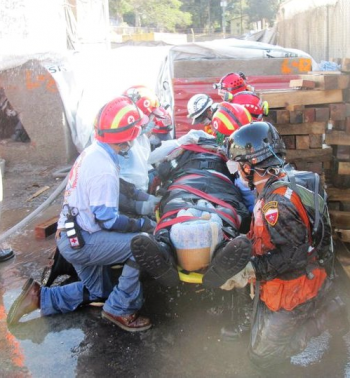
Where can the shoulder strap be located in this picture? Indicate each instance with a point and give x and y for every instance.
(295, 187)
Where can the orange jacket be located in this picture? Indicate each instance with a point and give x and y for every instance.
(280, 234)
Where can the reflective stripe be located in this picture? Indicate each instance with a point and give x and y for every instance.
(288, 193)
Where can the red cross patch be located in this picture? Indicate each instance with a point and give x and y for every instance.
(270, 211)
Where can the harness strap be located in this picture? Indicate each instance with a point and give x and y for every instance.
(185, 218)
(210, 198)
(196, 148)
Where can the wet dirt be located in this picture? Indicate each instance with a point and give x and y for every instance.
(184, 341)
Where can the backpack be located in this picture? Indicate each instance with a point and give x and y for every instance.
(313, 196)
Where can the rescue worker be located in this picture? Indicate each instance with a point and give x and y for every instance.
(162, 128)
(230, 84)
(201, 109)
(294, 294)
(253, 103)
(201, 167)
(92, 235)
(134, 167)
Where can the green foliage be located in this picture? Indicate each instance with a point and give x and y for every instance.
(164, 14)
(261, 9)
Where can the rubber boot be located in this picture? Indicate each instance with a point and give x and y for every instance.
(229, 260)
(156, 258)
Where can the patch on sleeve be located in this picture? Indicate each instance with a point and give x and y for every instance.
(270, 211)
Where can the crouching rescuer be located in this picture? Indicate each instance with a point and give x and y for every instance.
(92, 235)
(292, 249)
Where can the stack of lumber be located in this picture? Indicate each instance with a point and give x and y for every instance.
(309, 116)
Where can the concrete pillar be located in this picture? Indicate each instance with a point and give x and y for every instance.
(33, 93)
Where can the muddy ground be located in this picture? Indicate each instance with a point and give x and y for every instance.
(185, 340)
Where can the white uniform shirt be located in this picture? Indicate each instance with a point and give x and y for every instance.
(93, 182)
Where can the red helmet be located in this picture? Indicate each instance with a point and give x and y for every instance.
(163, 122)
(229, 118)
(119, 121)
(253, 103)
(232, 82)
(144, 98)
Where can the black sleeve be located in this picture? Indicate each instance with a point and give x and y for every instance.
(290, 236)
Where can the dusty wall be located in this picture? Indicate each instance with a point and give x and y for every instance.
(323, 31)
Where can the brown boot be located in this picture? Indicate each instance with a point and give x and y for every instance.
(130, 323)
(27, 302)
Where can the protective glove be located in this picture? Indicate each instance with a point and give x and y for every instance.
(193, 136)
(147, 207)
(241, 279)
(148, 225)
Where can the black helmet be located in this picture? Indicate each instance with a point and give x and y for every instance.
(257, 143)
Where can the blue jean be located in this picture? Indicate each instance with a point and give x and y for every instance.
(92, 263)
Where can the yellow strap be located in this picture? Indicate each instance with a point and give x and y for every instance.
(190, 277)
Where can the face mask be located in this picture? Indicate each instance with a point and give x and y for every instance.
(232, 166)
(124, 152)
(260, 181)
(243, 180)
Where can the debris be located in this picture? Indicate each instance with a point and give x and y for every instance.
(38, 192)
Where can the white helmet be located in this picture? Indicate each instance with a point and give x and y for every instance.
(197, 105)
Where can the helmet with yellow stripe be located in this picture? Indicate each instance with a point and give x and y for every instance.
(229, 118)
(119, 121)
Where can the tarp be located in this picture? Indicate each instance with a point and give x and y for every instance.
(87, 80)
(224, 50)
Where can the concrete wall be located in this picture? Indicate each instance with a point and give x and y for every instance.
(33, 93)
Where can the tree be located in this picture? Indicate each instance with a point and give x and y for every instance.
(165, 14)
(258, 10)
(206, 14)
(117, 9)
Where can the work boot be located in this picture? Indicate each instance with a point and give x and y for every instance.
(241, 316)
(235, 330)
(155, 257)
(27, 302)
(6, 254)
(129, 323)
(228, 261)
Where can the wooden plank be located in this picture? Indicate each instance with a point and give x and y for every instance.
(340, 219)
(343, 255)
(322, 114)
(38, 192)
(341, 152)
(296, 116)
(336, 194)
(219, 67)
(302, 84)
(311, 155)
(337, 112)
(315, 141)
(302, 142)
(309, 115)
(302, 129)
(343, 168)
(289, 141)
(339, 138)
(345, 65)
(328, 81)
(45, 229)
(281, 99)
